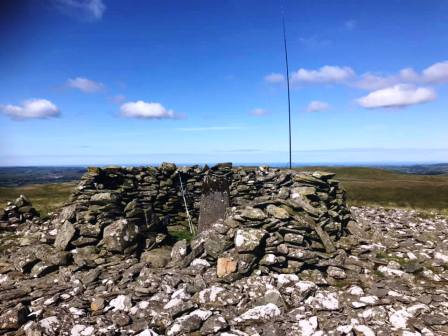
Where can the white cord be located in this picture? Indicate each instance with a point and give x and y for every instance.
(190, 224)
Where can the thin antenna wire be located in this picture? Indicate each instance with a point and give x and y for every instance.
(289, 96)
(190, 224)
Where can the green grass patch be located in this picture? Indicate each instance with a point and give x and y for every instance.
(45, 197)
(379, 274)
(390, 257)
(180, 234)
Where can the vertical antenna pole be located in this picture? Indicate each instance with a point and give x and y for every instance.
(289, 97)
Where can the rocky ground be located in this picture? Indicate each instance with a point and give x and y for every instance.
(391, 280)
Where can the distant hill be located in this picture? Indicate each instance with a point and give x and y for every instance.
(19, 176)
(421, 169)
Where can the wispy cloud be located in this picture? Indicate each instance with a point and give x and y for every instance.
(31, 109)
(325, 75)
(210, 128)
(397, 96)
(274, 78)
(83, 9)
(144, 110)
(405, 88)
(350, 24)
(258, 112)
(316, 106)
(314, 42)
(118, 99)
(85, 85)
(436, 73)
(89, 10)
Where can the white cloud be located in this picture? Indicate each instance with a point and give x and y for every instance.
(369, 81)
(397, 96)
(31, 109)
(436, 73)
(87, 9)
(144, 110)
(326, 74)
(316, 106)
(258, 112)
(274, 78)
(85, 85)
(409, 75)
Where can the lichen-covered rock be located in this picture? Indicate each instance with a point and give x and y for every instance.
(277, 212)
(104, 198)
(119, 235)
(259, 313)
(253, 214)
(179, 250)
(248, 240)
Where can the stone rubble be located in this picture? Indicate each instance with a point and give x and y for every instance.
(17, 212)
(288, 259)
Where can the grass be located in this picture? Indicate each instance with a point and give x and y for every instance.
(45, 197)
(379, 187)
(180, 234)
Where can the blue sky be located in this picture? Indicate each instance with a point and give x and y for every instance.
(140, 82)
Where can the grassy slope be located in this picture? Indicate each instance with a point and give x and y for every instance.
(45, 197)
(368, 186)
(365, 186)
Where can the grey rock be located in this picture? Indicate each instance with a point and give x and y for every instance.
(157, 258)
(254, 214)
(179, 250)
(248, 240)
(13, 318)
(213, 325)
(119, 235)
(66, 232)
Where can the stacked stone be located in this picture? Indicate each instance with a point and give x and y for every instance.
(103, 194)
(17, 212)
(295, 228)
(118, 210)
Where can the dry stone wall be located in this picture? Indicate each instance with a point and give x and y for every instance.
(122, 209)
